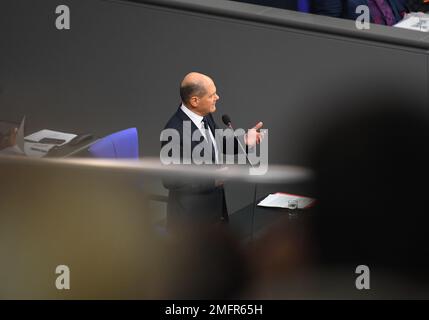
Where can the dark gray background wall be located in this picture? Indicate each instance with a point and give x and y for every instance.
(121, 63)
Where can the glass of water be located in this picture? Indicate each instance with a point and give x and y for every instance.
(292, 206)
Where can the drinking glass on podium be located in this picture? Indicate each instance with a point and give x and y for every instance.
(292, 208)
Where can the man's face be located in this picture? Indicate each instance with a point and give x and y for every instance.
(207, 103)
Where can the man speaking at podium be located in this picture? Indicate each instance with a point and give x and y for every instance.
(197, 202)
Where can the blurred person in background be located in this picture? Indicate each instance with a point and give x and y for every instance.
(385, 12)
(9, 139)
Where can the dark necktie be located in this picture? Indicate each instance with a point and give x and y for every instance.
(209, 139)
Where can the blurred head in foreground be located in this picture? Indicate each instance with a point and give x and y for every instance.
(371, 170)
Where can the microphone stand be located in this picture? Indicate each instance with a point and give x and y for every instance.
(255, 188)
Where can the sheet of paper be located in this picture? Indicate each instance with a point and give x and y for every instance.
(45, 133)
(280, 200)
(415, 21)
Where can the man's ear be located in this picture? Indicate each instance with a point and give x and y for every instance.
(194, 101)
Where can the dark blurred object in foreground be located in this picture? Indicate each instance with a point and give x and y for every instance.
(95, 221)
(371, 170)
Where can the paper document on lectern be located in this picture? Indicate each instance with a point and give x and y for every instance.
(281, 200)
(45, 133)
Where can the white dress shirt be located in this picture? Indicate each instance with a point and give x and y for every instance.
(198, 121)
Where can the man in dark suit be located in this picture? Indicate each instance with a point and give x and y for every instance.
(196, 202)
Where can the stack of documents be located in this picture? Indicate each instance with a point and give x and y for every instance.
(281, 200)
(33, 147)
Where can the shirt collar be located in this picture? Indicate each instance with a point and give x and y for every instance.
(196, 118)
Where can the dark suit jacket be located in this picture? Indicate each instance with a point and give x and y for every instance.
(417, 5)
(193, 201)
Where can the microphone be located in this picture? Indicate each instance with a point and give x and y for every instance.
(227, 121)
